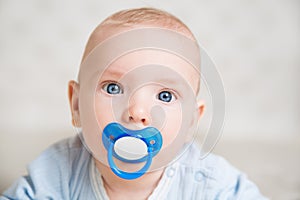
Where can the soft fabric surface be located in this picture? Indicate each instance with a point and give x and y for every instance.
(272, 164)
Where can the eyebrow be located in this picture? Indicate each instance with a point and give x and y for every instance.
(169, 81)
(115, 73)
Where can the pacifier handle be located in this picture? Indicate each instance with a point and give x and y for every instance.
(123, 174)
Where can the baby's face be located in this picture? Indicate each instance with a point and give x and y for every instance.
(148, 88)
(139, 78)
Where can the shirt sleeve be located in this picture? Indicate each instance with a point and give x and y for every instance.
(241, 189)
(56, 174)
(235, 185)
(45, 180)
(22, 189)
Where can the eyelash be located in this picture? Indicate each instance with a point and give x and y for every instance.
(173, 93)
(104, 87)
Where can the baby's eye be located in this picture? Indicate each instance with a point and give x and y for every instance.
(166, 96)
(112, 88)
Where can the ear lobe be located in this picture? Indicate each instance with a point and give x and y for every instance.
(201, 108)
(73, 94)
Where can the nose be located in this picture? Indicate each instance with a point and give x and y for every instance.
(139, 106)
(138, 114)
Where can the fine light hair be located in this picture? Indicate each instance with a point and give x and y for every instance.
(136, 17)
(147, 16)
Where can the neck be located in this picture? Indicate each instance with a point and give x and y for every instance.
(141, 187)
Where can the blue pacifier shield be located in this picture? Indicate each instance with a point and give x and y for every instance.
(148, 137)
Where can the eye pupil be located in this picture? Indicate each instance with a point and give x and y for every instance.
(165, 96)
(113, 88)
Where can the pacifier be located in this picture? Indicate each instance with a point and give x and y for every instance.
(131, 146)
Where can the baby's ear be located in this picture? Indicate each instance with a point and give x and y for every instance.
(73, 93)
(200, 108)
(197, 116)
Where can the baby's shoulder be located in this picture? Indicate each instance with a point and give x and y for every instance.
(59, 172)
(63, 149)
(63, 152)
(215, 176)
(65, 156)
(211, 166)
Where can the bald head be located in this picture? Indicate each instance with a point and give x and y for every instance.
(135, 18)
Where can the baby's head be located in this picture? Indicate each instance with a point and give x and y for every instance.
(135, 18)
(140, 69)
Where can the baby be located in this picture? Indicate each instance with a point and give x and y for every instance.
(136, 108)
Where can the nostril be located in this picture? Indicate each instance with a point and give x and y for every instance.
(137, 120)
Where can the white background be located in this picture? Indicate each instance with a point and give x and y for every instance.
(255, 44)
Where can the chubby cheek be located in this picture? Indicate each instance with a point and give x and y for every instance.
(103, 111)
(172, 125)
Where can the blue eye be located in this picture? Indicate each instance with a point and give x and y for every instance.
(165, 96)
(112, 88)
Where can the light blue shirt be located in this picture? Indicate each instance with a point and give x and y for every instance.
(66, 171)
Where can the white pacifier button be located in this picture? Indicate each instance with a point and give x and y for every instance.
(130, 148)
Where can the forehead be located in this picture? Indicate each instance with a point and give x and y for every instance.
(175, 64)
(136, 47)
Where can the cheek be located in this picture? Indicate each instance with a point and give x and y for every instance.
(103, 111)
(172, 125)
